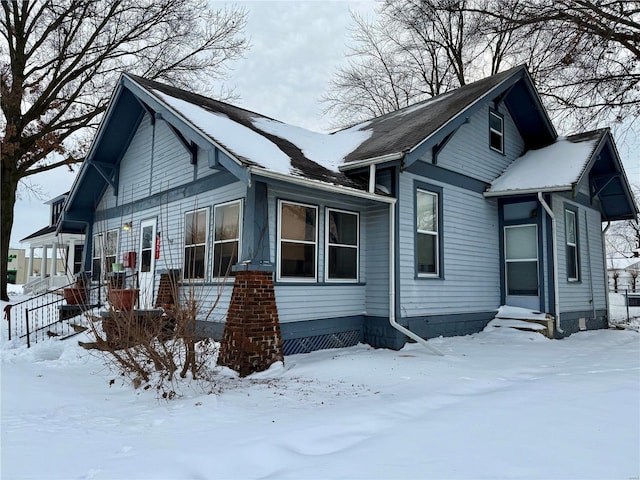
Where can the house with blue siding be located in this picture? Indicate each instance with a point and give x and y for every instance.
(416, 224)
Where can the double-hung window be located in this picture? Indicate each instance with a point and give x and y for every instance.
(96, 257)
(196, 224)
(226, 237)
(571, 239)
(496, 131)
(427, 233)
(104, 253)
(110, 249)
(297, 241)
(342, 245)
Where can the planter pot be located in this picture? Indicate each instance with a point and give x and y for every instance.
(123, 299)
(75, 295)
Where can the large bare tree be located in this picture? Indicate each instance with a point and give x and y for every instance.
(59, 61)
(583, 55)
(598, 75)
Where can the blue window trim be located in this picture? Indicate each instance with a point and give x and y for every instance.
(493, 111)
(539, 215)
(575, 210)
(438, 191)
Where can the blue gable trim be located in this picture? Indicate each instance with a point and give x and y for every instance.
(439, 174)
(186, 129)
(255, 232)
(525, 107)
(165, 197)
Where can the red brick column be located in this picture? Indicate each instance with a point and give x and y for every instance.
(251, 341)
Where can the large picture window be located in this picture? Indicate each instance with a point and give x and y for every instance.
(521, 258)
(428, 241)
(226, 239)
(571, 238)
(342, 245)
(196, 224)
(297, 241)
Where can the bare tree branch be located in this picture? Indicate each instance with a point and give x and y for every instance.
(60, 60)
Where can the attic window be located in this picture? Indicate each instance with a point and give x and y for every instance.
(56, 211)
(496, 131)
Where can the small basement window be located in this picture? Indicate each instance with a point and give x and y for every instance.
(496, 131)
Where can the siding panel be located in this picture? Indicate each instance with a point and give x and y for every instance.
(471, 254)
(468, 150)
(576, 296)
(321, 300)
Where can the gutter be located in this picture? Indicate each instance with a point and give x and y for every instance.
(392, 260)
(392, 287)
(528, 191)
(371, 161)
(260, 172)
(556, 287)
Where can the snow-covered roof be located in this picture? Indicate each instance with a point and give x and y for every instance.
(553, 168)
(258, 139)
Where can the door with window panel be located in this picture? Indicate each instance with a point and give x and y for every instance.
(147, 264)
(521, 266)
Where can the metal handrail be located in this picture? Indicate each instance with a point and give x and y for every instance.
(32, 317)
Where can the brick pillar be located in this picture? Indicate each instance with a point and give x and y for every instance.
(167, 296)
(251, 341)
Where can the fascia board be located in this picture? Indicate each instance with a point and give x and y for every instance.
(96, 140)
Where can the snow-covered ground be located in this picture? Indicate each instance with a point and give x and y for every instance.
(500, 404)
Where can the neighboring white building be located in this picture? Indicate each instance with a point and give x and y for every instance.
(624, 276)
(61, 256)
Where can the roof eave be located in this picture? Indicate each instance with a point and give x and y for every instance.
(460, 118)
(94, 143)
(390, 157)
(319, 185)
(527, 191)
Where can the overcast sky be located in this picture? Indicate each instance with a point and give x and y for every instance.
(295, 48)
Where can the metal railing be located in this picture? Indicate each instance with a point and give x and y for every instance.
(50, 314)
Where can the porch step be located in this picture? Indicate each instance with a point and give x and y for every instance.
(524, 319)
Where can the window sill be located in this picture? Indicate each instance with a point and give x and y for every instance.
(319, 284)
(426, 276)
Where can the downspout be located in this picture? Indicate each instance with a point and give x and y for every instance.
(372, 178)
(593, 299)
(604, 264)
(392, 287)
(554, 246)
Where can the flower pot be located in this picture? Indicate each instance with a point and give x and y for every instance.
(122, 299)
(75, 295)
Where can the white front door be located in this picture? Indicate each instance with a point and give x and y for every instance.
(521, 266)
(147, 263)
